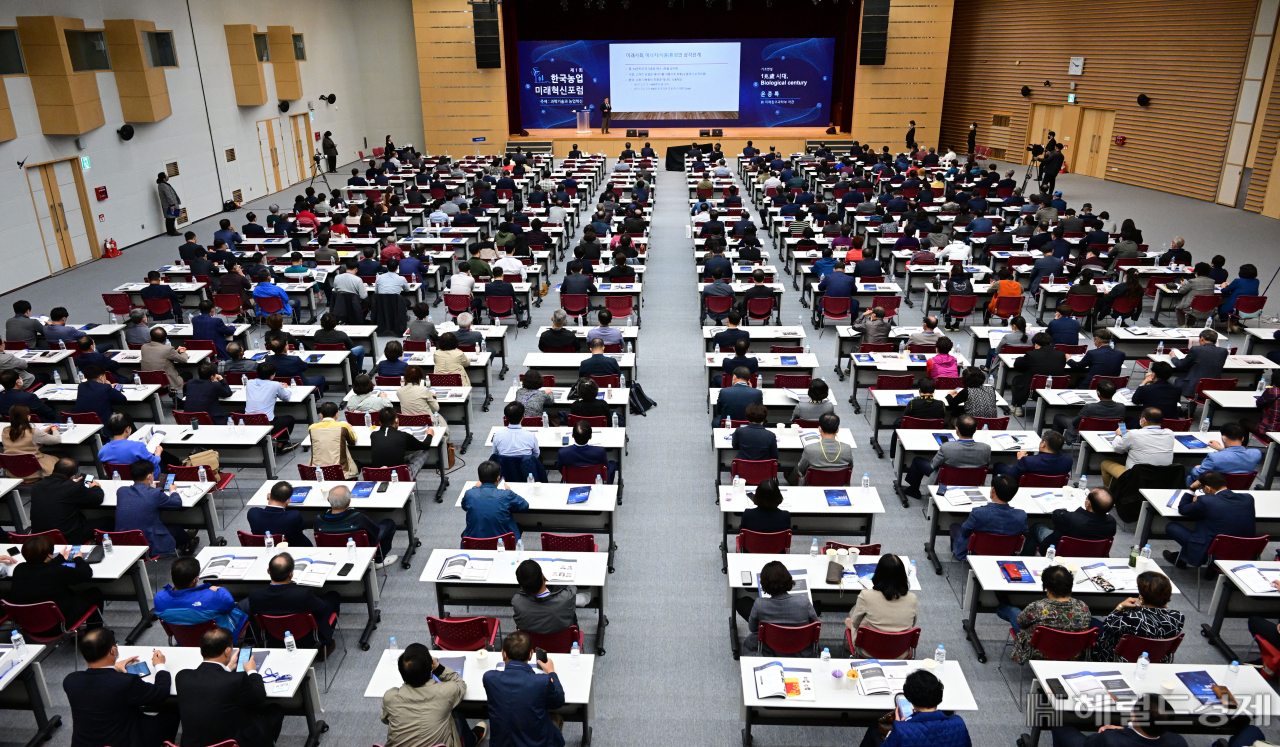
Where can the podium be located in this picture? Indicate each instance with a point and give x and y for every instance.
(584, 121)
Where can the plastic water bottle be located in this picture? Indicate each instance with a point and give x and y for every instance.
(1146, 551)
(1233, 671)
(575, 655)
(800, 320)
(1140, 670)
(629, 348)
(1262, 386)
(57, 378)
(599, 481)
(268, 541)
(115, 475)
(290, 645)
(368, 419)
(1051, 553)
(19, 643)
(393, 645)
(1160, 348)
(940, 655)
(807, 348)
(911, 572)
(395, 475)
(727, 423)
(484, 347)
(502, 547)
(1117, 324)
(82, 378)
(615, 420)
(137, 379)
(201, 474)
(1204, 425)
(991, 380)
(351, 549)
(826, 658)
(866, 483)
(546, 422)
(520, 546)
(107, 547)
(1082, 483)
(986, 427)
(902, 346)
(1208, 322)
(62, 344)
(813, 548)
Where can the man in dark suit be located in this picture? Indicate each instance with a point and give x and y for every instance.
(57, 502)
(1218, 511)
(839, 284)
(1049, 461)
(581, 453)
(200, 264)
(1050, 167)
(1046, 266)
(758, 289)
(107, 702)
(1103, 360)
(599, 364)
(218, 703)
(13, 395)
(868, 266)
(717, 261)
(205, 326)
(356, 180)
(1157, 391)
(753, 441)
(627, 152)
(95, 394)
(276, 517)
(734, 400)
(520, 699)
(187, 251)
(729, 336)
(1042, 360)
(1091, 522)
(1204, 361)
(284, 597)
(157, 290)
(500, 287)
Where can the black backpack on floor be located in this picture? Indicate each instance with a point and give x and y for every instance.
(639, 403)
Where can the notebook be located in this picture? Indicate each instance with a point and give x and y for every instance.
(1015, 571)
(837, 497)
(789, 360)
(579, 495)
(299, 494)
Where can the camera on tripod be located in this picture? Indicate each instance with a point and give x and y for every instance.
(317, 157)
(1036, 150)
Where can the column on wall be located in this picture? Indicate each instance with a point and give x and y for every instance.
(1246, 112)
(459, 101)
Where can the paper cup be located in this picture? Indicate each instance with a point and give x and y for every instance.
(1167, 686)
(1142, 564)
(930, 664)
(853, 556)
(842, 557)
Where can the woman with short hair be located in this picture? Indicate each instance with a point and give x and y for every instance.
(1146, 615)
(777, 606)
(889, 606)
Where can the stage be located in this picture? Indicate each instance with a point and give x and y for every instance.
(785, 139)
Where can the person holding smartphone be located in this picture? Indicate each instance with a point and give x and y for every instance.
(218, 703)
(521, 700)
(108, 697)
(138, 506)
(916, 720)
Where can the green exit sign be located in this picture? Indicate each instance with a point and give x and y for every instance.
(84, 163)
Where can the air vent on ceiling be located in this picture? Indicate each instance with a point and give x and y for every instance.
(231, 154)
(171, 169)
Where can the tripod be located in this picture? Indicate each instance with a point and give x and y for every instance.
(318, 170)
(1031, 167)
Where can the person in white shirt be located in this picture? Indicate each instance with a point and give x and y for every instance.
(703, 215)
(610, 335)
(438, 215)
(722, 170)
(556, 213)
(462, 284)
(622, 166)
(510, 265)
(773, 182)
(948, 159)
(955, 250)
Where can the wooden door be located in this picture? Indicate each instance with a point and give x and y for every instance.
(45, 195)
(288, 171)
(302, 138)
(270, 155)
(1095, 141)
(73, 214)
(1044, 117)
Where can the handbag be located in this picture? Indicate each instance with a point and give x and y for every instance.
(208, 458)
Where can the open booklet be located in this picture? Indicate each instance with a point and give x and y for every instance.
(465, 568)
(311, 571)
(964, 496)
(1051, 500)
(1257, 580)
(1118, 575)
(872, 679)
(773, 680)
(801, 578)
(227, 566)
(558, 570)
(152, 435)
(1094, 685)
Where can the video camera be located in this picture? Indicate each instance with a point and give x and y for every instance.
(1036, 150)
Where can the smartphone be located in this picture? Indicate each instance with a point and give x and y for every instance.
(564, 441)
(189, 435)
(246, 654)
(139, 668)
(14, 551)
(344, 570)
(746, 578)
(1055, 686)
(904, 707)
(382, 486)
(1123, 429)
(542, 654)
(169, 480)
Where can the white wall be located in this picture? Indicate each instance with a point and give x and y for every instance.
(362, 51)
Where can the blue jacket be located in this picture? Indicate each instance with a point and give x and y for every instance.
(55, 332)
(1228, 460)
(824, 267)
(755, 442)
(99, 360)
(519, 704)
(288, 365)
(127, 451)
(1235, 289)
(1064, 331)
(931, 729)
(717, 261)
(268, 290)
(1041, 464)
(838, 285)
(489, 511)
(733, 401)
(138, 507)
(209, 327)
(96, 397)
(281, 522)
(1224, 512)
(37, 406)
(1103, 361)
(992, 518)
(728, 337)
(200, 604)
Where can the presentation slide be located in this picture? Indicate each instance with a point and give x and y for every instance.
(678, 83)
(676, 77)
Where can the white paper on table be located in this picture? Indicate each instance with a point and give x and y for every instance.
(1051, 500)
(1256, 580)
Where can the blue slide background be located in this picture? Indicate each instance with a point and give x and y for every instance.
(577, 74)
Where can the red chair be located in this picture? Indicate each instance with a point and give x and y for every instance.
(527, 422)
(943, 383)
(1126, 307)
(569, 542)
(118, 303)
(1008, 307)
(783, 640)
(463, 633)
(876, 347)
(622, 306)
(449, 379)
(925, 349)
(1177, 425)
(1042, 481)
(985, 543)
(1247, 307)
(1212, 385)
(187, 635)
(55, 535)
(236, 378)
(490, 543)
(871, 549)
(585, 475)
(1120, 381)
(1081, 305)
(301, 625)
(760, 308)
(715, 305)
(607, 381)
(251, 540)
(1239, 480)
(1058, 645)
(268, 305)
(160, 379)
(339, 539)
(762, 543)
(962, 476)
(37, 621)
(1098, 424)
(383, 474)
(557, 643)
(1040, 381)
(457, 304)
(1016, 349)
(415, 421)
(228, 304)
(255, 418)
(500, 307)
(25, 467)
(1072, 349)
(875, 644)
(331, 472)
(792, 381)
(780, 349)
(387, 380)
(201, 345)
(835, 309)
(110, 467)
(16, 345)
(888, 303)
(574, 304)
(182, 416)
(1131, 647)
(828, 477)
(1205, 305)
(189, 473)
(754, 471)
(1070, 547)
(995, 424)
(595, 421)
(961, 307)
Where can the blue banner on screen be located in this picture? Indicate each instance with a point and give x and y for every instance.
(723, 83)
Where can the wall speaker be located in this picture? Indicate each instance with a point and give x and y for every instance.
(284, 106)
(125, 132)
(1144, 100)
(875, 32)
(631, 133)
(1026, 90)
(717, 133)
(642, 133)
(484, 22)
(704, 133)
(330, 98)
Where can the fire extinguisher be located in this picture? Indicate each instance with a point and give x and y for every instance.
(109, 248)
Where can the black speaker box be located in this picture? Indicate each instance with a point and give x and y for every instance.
(704, 133)
(631, 133)
(642, 133)
(717, 133)
(484, 19)
(875, 32)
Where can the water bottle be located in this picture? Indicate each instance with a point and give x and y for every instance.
(201, 474)
(599, 480)
(484, 347)
(575, 655)
(520, 545)
(393, 645)
(727, 423)
(991, 380)
(1233, 671)
(502, 547)
(19, 643)
(1262, 387)
(351, 549)
(290, 645)
(115, 475)
(1140, 670)
(1117, 324)
(813, 548)
(395, 475)
(800, 321)
(62, 344)
(82, 379)
(866, 483)
(1204, 425)
(826, 658)
(368, 419)
(231, 424)
(629, 348)
(57, 378)
(137, 379)
(1160, 348)
(937, 281)
(986, 427)
(1208, 322)
(546, 422)
(902, 346)
(426, 380)
(615, 420)
(268, 541)
(222, 367)
(911, 572)
(940, 655)
(1082, 483)
(107, 547)
(1146, 551)
(1051, 553)
(807, 348)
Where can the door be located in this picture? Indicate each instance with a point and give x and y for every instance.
(73, 218)
(58, 194)
(288, 171)
(302, 149)
(270, 155)
(1095, 139)
(1044, 118)
(44, 193)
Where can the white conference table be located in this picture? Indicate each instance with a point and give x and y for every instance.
(1233, 598)
(551, 440)
(958, 502)
(550, 511)
(437, 450)
(811, 515)
(1098, 444)
(33, 695)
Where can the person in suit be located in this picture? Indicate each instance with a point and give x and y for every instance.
(538, 609)
(1064, 328)
(606, 111)
(839, 284)
(581, 453)
(728, 337)
(873, 325)
(159, 355)
(96, 395)
(138, 506)
(108, 703)
(1049, 461)
(732, 401)
(776, 606)
(717, 261)
(1218, 511)
(89, 356)
(827, 453)
(201, 265)
(868, 266)
(217, 703)
(1156, 391)
(205, 326)
(719, 286)
(203, 394)
(1092, 521)
(284, 597)
(996, 517)
(1147, 727)
(58, 502)
(1103, 360)
(1049, 168)
(157, 290)
(46, 576)
(1048, 265)
(599, 364)
(1150, 443)
(1041, 360)
(277, 519)
(960, 451)
(520, 700)
(1106, 407)
(924, 405)
(758, 289)
(766, 517)
(1229, 456)
(1204, 361)
(753, 441)
(1200, 285)
(187, 601)
(342, 519)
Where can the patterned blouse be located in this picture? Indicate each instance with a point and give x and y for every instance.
(980, 402)
(1147, 622)
(1069, 615)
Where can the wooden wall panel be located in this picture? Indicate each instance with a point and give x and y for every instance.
(144, 92)
(459, 101)
(246, 72)
(67, 101)
(7, 130)
(1188, 56)
(283, 64)
(911, 82)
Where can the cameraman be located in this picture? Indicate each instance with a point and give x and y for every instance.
(1049, 168)
(330, 151)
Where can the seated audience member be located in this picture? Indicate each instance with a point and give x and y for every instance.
(740, 358)
(420, 710)
(138, 506)
(923, 405)
(276, 518)
(285, 597)
(521, 700)
(295, 365)
(1043, 360)
(817, 404)
(392, 447)
(928, 335)
(448, 359)
(1157, 392)
(1058, 610)
(538, 609)
(97, 395)
(187, 601)
(123, 450)
(731, 334)
(776, 606)
(261, 395)
(366, 399)
(976, 398)
(873, 325)
(159, 355)
(13, 395)
(1103, 360)
(944, 364)
(1203, 361)
(514, 440)
(327, 448)
(961, 451)
(599, 364)
(108, 703)
(536, 398)
(46, 576)
(201, 394)
(218, 703)
(342, 519)
(1149, 725)
(58, 502)
(89, 356)
(996, 517)
(1146, 615)
(1049, 461)
(559, 336)
(753, 441)
(588, 404)
(1106, 408)
(23, 438)
(489, 505)
(415, 397)
(581, 453)
(1092, 522)
(1217, 511)
(828, 453)
(889, 606)
(1229, 455)
(766, 517)
(926, 726)
(1149, 443)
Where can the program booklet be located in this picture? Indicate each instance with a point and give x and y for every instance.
(1093, 685)
(558, 570)
(227, 566)
(837, 496)
(872, 679)
(311, 571)
(1257, 580)
(1200, 683)
(579, 494)
(964, 496)
(776, 681)
(299, 494)
(465, 568)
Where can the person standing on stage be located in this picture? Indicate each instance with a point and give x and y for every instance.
(605, 111)
(911, 137)
(973, 136)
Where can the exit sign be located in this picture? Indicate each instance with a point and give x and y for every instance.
(84, 163)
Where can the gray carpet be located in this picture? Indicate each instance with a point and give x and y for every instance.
(668, 676)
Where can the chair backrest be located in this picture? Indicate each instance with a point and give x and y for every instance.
(785, 640)
(118, 303)
(960, 306)
(754, 471)
(871, 549)
(921, 348)
(1213, 385)
(330, 472)
(574, 304)
(182, 416)
(1226, 547)
(894, 382)
(569, 542)
(1240, 480)
(876, 347)
(1125, 305)
(557, 643)
(828, 477)
(457, 304)
(760, 307)
(1080, 304)
(251, 540)
(386, 380)
(985, 543)
(1248, 305)
(888, 303)
(1041, 381)
(962, 476)
(584, 475)
(1007, 306)
(301, 624)
(1029, 480)
(339, 539)
(792, 381)
(921, 424)
(943, 383)
(995, 424)
(499, 305)
(1016, 349)
(1177, 425)
(836, 307)
(383, 474)
(607, 381)
(1120, 381)
(35, 618)
(187, 635)
(1070, 547)
(236, 378)
(126, 538)
(1061, 645)
(621, 306)
(489, 543)
(1131, 647)
(880, 645)
(53, 534)
(718, 304)
(460, 633)
(595, 421)
(1072, 349)
(23, 466)
(1206, 302)
(765, 543)
(782, 349)
(446, 379)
